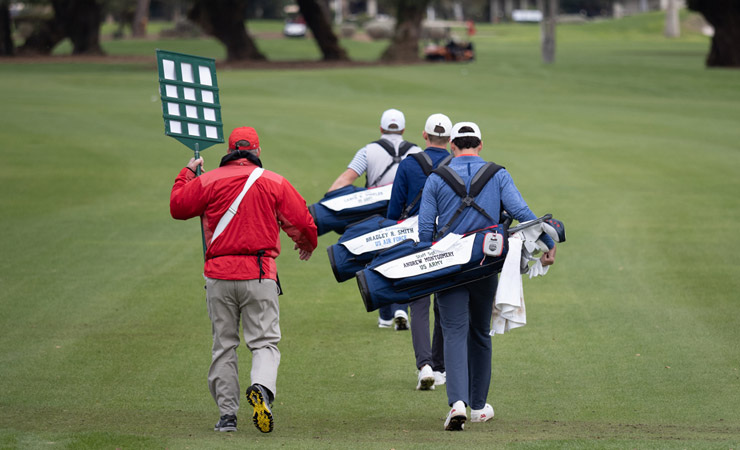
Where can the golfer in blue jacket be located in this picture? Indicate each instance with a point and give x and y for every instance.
(404, 203)
(466, 310)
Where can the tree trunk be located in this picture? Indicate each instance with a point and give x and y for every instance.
(317, 19)
(372, 8)
(549, 10)
(724, 16)
(404, 44)
(141, 18)
(495, 10)
(42, 40)
(80, 20)
(672, 25)
(340, 10)
(508, 8)
(457, 11)
(431, 13)
(6, 39)
(224, 20)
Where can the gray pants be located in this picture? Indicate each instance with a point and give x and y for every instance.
(255, 303)
(426, 352)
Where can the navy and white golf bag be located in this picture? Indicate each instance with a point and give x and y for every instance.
(412, 270)
(347, 205)
(363, 240)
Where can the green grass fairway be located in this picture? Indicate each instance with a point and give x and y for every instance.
(633, 337)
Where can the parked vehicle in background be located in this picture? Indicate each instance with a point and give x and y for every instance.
(454, 50)
(295, 24)
(526, 16)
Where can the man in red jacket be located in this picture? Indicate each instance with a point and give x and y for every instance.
(241, 275)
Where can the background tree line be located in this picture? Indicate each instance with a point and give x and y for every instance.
(227, 21)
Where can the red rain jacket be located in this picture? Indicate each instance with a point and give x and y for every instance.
(270, 204)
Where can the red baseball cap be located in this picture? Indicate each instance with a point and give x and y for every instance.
(244, 134)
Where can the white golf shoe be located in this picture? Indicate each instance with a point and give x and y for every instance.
(482, 415)
(456, 417)
(440, 378)
(384, 323)
(401, 319)
(426, 379)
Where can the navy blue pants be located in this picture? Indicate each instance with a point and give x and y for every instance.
(466, 322)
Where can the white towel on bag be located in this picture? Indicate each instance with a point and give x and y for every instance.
(508, 308)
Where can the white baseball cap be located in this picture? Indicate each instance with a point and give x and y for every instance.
(437, 121)
(392, 117)
(456, 130)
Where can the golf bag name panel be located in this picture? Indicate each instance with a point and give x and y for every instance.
(363, 240)
(453, 263)
(453, 250)
(349, 204)
(358, 199)
(384, 237)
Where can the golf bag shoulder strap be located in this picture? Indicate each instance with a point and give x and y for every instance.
(387, 146)
(425, 162)
(405, 147)
(427, 167)
(391, 150)
(445, 161)
(453, 180)
(482, 176)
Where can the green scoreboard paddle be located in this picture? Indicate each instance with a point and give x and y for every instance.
(190, 102)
